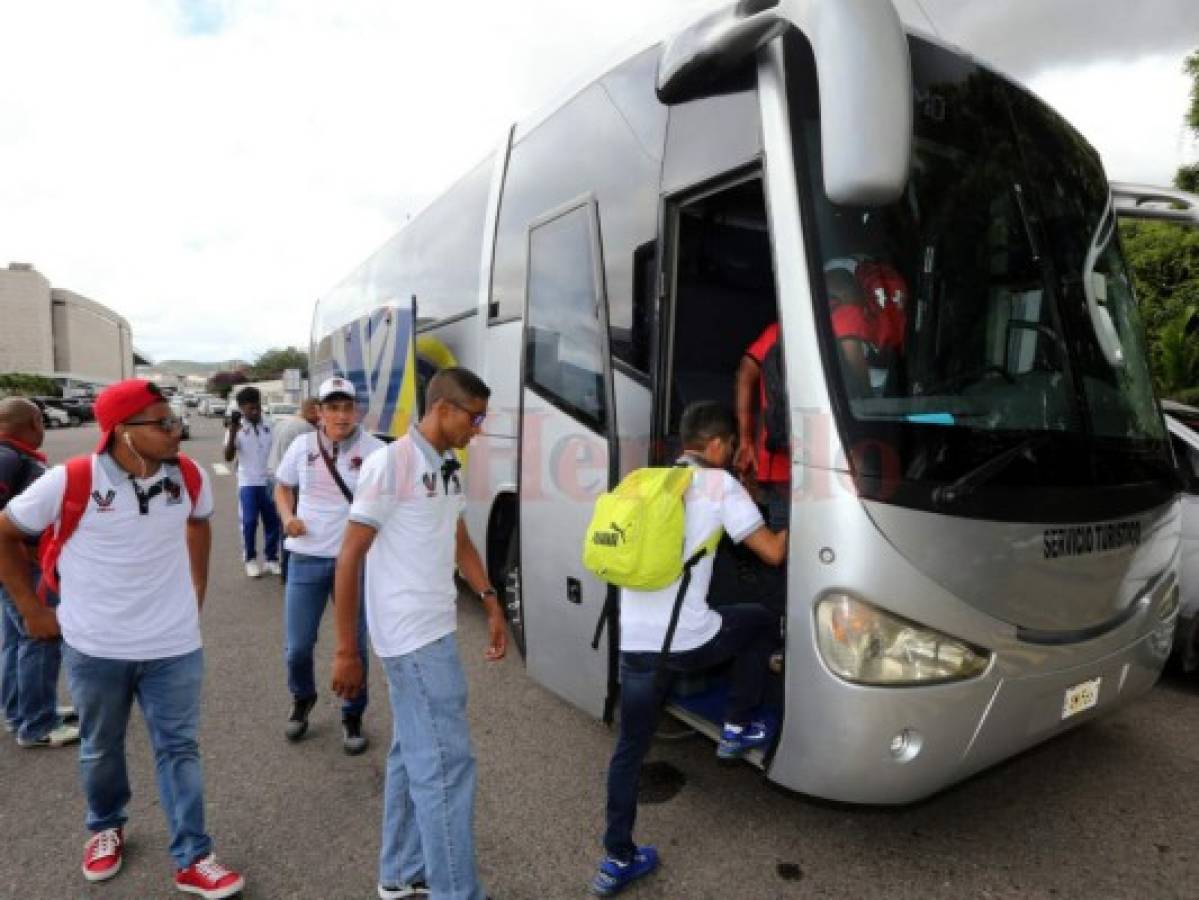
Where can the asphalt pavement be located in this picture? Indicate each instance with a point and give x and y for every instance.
(1105, 811)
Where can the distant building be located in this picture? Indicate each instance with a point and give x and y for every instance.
(58, 333)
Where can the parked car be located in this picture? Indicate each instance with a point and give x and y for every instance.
(75, 411)
(78, 407)
(179, 408)
(276, 411)
(1183, 422)
(52, 416)
(213, 406)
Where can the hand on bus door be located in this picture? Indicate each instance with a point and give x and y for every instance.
(745, 462)
(347, 675)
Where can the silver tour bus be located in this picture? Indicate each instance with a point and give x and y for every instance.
(984, 519)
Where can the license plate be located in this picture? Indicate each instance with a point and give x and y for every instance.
(1080, 698)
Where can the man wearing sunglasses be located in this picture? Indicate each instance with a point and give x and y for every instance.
(323, 466)
(132, 576)
(406, 524)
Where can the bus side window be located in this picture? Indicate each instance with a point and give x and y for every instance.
(565, 340)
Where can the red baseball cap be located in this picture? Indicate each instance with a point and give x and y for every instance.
(122, 401)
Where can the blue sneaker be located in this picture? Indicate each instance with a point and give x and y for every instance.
(614, 876)
(734, 742)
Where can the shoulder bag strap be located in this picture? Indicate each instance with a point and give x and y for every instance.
(332, 467)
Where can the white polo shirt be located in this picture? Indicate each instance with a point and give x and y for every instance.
(323, 507)
(410, 590)
(126, 587)
(253, 443)
(715, 500)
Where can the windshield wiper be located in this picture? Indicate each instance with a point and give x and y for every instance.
(985, 471)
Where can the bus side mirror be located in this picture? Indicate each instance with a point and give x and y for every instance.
(866, 110)
(695, 58)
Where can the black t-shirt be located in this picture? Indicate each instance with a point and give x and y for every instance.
(17, 471)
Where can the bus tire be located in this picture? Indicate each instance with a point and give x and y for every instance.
(510, 596)
(1186, 646)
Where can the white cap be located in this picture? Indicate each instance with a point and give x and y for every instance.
(332, 386)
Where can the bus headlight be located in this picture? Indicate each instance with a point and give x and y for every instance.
(861, 643)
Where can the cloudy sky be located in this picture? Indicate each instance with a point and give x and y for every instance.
(208, 167)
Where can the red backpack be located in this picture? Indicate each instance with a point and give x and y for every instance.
(74, 504)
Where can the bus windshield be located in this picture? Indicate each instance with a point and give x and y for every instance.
(986, 316)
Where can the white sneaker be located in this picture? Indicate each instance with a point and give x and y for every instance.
(57, 737)
(272, 567)
(253, 569)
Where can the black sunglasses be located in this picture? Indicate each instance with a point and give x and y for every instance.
(166, 423)
(476, 418)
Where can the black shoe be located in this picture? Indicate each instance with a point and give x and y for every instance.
(297, 724)
(353, 741)
(403, 891)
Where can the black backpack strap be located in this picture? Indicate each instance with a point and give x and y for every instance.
(332, 467)
(662, 675)
(604, 616)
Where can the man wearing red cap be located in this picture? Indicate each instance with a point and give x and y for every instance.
(132, 576)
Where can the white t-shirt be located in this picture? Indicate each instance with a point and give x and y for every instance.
(715, 500)
(253, 443)
(410, 590)
(323, 508)
(126, 585)
(285, 433)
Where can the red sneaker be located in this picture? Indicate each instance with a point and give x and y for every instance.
(209, 879)
(102, 854)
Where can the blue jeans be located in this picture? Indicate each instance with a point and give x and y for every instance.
(429, 795)
(748, 634)
(259, 503)
(9, 635)
(309, 584)
(30, 676)
(168, 691)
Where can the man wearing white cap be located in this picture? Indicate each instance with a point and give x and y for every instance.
(323, 465)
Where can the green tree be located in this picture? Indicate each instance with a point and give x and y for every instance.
(271, 363)
(1164, 260)
(1177, 356)
(222, 383)
(1187, 177)
(28, 385)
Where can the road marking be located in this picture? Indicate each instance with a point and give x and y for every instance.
(220, 468)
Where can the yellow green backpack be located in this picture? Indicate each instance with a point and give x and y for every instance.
(637, 531)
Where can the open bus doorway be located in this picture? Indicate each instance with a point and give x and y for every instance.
(722, 298)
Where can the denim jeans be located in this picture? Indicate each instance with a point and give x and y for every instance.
(748, 633)
(309, 585)
(429, 795)
(257, 503)
(9, 636)
(30, 676)
(168, 692)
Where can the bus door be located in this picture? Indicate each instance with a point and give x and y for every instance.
(567, 452)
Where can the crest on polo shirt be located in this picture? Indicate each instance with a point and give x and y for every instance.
(104, 501)
(355, 463)
(430, 481)
(173, 491)
(312, 458)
